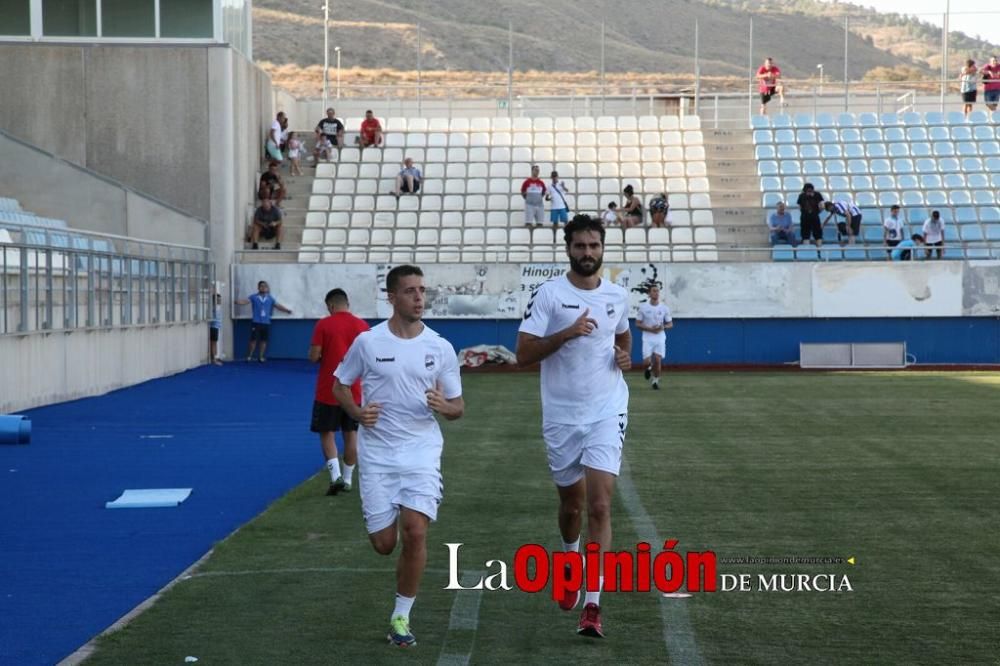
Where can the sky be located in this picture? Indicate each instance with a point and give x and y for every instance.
(973, 17)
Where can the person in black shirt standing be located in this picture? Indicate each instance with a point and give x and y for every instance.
(331, 128)
(810, 202)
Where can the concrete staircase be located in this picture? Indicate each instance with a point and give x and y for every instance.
(736, 198)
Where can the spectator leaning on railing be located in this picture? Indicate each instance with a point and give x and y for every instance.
(850, 227)
(780, 226)
(991, 83)
(967, 82)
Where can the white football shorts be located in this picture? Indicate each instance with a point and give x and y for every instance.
(383, 495)
(655, 346)
(572, 446)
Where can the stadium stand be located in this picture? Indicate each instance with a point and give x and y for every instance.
(921, 162)
(470, 208)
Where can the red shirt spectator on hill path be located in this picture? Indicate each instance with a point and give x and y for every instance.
(768, 76)
(371, 131)
(331, 339)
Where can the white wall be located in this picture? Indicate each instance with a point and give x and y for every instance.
(40, 369)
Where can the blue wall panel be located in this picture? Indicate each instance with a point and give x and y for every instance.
(954, 340)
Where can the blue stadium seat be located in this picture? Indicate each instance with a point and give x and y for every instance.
(938, 134)
(916, 134)
(850, 135)
(950, 233)
(760, 122)
(984, 132)
(809, 150)
(819, 182)
(954, 181)
(965, 215)
(787, 151)
(831, 254)
(770, 183)
(992, 232)
(989, 148)
(949, 165)
(806, 136)
(771, 199)
(966, 149)
(793, 183)
(902, 165)
(872, 234)
(961, 133)
(960, 198)
(955, 118)
(825, 120)
(865, 199)
(934, 118)
(835, 167)
(921, 149)
(977, 253)
(804, 120)
(913, 198)
(828, 137)
(915, 217)
(782, 253)
(832, 150)
(791, 167)
(861, 182)
(854, 150)
(855, 254)
(890, 198)
(868, 120)
(971, 232)
(763, 136)
(892, 134)
(764, 152)
(767, 168)
(899, 149)
(812, 167)
(912, 118)
(990, 214)
(876, 150)
(857, 167)
(884, 182)
(880, 166)
(871, 134)
(806, 253)
(936, 198)
(984, 197)
(781, 120)
(784, 136)
(976, 181)
(907, 181)
(847, 120)
(944, 149)
(889, 119)
(925, 165)
(979, 117)
(972, 164)
(839, 183)
(995, 117)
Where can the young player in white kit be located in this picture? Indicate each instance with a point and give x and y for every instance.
(654, 318)
(577, 326)
(408, 373)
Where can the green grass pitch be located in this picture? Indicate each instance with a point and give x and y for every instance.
(899, 470)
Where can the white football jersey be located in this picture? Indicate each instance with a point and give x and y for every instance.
(653, 315)
(396, 373)
(581, 383)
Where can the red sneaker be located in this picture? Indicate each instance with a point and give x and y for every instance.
(590, 622)
(569, 599)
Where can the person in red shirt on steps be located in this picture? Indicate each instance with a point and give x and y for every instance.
(371, 131)
(769, 80)
(331, 339)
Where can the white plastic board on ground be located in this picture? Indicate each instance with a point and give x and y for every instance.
(149, 498)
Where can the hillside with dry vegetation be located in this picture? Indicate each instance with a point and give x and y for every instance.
(649, 44)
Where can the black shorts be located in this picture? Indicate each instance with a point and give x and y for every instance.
(969, 97)
(855, 223)
(810, 227)
(765, 97)
(331, 418)
(260, 332)
(268, 231)
(892, 243)
(406, 186)
(213, 334)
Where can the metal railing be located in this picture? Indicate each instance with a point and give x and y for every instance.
(61, 280)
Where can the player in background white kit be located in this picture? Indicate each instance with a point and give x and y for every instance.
(654, 318)
(408, 373)
(577, 326)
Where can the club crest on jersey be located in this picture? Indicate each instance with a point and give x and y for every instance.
(429, 362)
(611, 310)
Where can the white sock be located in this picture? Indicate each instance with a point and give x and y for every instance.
(333, 466)
(347, 471)
(403, 606)
(572, 547)
(656, 380)
(594, 597)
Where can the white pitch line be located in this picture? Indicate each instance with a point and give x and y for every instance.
(464, 617)
(677, 631)
(331, 570)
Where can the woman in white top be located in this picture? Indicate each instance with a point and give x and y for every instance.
(968, 86)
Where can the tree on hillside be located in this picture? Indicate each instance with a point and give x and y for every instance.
(897, 73)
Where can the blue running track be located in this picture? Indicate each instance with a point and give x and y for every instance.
(238, 435)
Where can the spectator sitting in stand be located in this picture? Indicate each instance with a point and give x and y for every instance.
(271, 185)
(323, 149)
(659, 209)
(780, 226)
(408, 179)
(371, 131)
(610, 215)
(266, 224)
(332, 128)
(631, 215)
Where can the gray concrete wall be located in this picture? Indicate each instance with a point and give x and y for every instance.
(48, 368)
(52, 187)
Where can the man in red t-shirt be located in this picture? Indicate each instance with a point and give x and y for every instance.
(371, 131)
(533, 190)
(991, 83)
(331, 339)
(768, 79)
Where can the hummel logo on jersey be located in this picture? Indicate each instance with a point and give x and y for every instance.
(611, 310)
(571, 306)
(387, 359)
(429, 362)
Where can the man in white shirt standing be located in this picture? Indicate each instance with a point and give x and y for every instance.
(273, 144)
(893, 230)
(408, 373)
(654, 318)
(577, 326)
(934, 235)
(559, 196)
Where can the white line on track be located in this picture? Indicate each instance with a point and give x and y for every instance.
(465, 618)
(677, 631)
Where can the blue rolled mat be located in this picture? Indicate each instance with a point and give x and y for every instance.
(15, 429)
